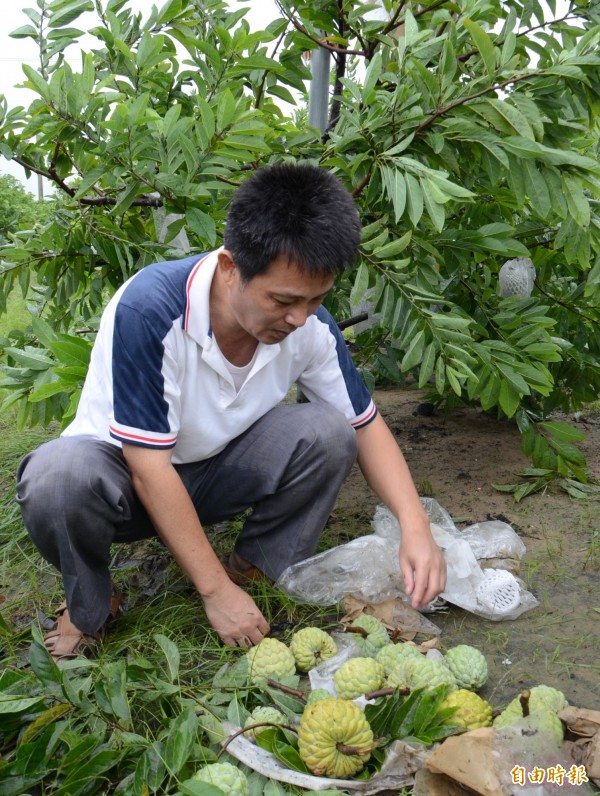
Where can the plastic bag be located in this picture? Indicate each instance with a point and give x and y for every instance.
(367, 568)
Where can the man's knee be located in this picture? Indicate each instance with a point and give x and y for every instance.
(332, 433)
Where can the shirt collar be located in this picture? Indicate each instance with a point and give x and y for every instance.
(197, 306)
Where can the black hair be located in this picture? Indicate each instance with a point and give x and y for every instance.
(297, 211)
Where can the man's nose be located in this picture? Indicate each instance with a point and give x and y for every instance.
(297, 317)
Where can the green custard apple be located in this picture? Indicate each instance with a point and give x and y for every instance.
(224, 776)
(377, 635)
(270, 659)
(468, 665)
(391, 654)
(261, 714)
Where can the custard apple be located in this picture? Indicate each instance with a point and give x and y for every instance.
(468, 665)
(544, 722)
(423, 672)
(261, 714)
(471, 711)
(316, 694)
(377, 634)
(541, 698)
(334, 738)
(270, 659)
(224, 776)
(357, 676)
(389, 655)
(397, 678)
(310, 646)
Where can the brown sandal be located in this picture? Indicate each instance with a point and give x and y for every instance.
(241, 577)
(67, 641)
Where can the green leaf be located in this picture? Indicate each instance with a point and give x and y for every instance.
(508, 398)
(414, 199)
(564, 432)
(274, 740)
(194, 787)
(180, 740)
(484, 45)
(427, 364)
(18, 704)
(371, 77)
(74, 351)
(536, 188)
(395, 247)
(150, 770)
(171, 653)
(202, 224)
(29, 358)
(361, 283)
(36, 81)
(414, 351)
(111, 692)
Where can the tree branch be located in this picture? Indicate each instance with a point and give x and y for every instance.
(496, 87)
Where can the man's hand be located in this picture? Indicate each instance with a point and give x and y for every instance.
(235, 617)
(423, 567)
(229, 609)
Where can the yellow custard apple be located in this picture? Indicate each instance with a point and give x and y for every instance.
(270, 659)
(472, 712)
(358, 676)
(224, 776)
(334, 738)
(310, 646)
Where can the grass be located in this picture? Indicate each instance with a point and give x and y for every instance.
(160, 603)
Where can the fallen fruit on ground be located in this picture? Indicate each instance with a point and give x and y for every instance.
(468, 665)
(358, 676)
(224, 776)
(270, 659)
(391, 654)
(423, 672)
(316, 694)
(334, 738)
(472, 712)
(377, 635)
(311, 646)
(263, 716)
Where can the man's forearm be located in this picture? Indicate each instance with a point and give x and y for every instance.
(172, 512)
(387, 473)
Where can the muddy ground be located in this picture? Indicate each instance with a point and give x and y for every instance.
(457, 459)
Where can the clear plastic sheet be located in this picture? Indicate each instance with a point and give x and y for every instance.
(367, 568)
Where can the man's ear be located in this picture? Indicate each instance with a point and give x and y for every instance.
(227, 268)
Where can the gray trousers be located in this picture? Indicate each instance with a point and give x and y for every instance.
(76, 498)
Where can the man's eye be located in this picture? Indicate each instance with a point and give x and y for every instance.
(283, 303)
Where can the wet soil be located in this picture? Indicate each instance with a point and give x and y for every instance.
(457, 459)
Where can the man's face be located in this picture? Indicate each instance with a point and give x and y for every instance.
(274, 304)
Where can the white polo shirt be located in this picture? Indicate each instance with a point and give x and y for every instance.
(158, 379)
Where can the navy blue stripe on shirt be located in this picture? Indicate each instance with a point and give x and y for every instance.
(146, 311)
(357, 391)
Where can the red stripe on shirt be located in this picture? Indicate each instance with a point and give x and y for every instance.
(364, 420)
(153, 440)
